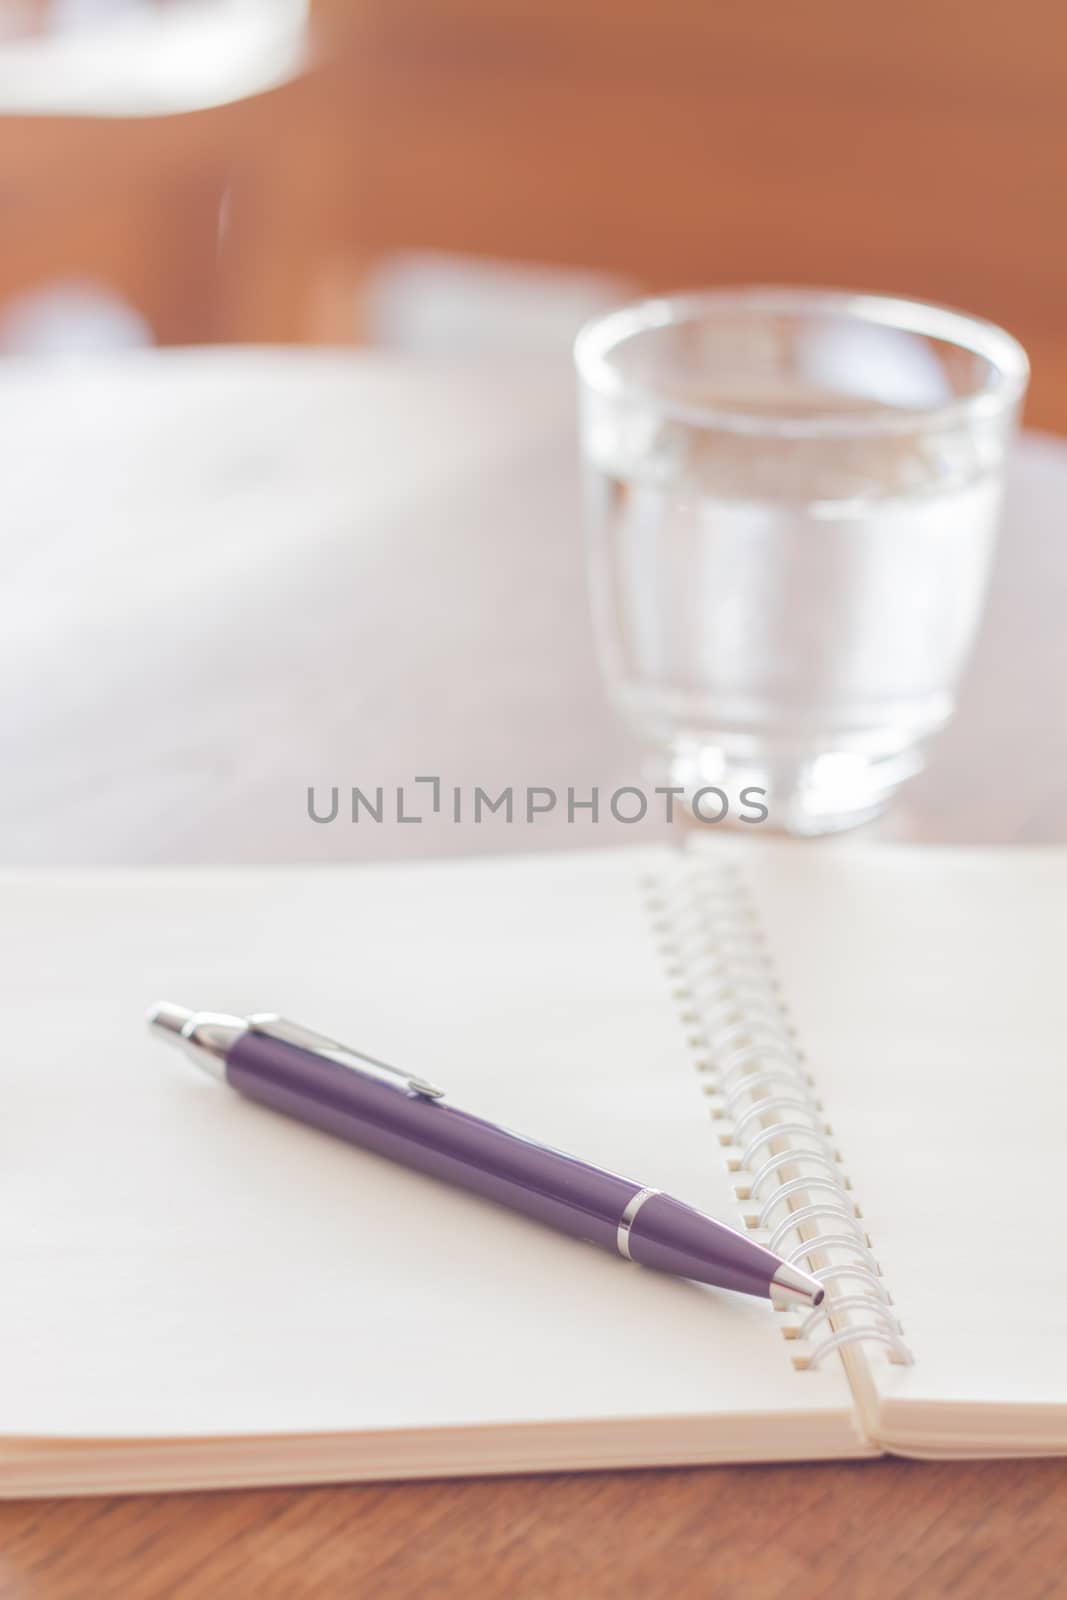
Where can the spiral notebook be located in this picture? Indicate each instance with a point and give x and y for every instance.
(857, 1052)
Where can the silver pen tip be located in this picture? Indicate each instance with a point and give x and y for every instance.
(207, 1037)
(792, 1289)
(168, 1018)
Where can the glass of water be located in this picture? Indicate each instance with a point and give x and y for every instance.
(794, 496)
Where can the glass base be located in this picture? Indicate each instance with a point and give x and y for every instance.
(786, 790)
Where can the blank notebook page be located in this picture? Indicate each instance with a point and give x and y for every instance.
(929, 989)
(187, 1263)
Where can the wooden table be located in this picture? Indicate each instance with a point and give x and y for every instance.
(228, 576)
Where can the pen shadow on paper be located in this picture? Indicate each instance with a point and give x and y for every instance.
(369, 1207)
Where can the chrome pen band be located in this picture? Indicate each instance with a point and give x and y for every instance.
(626, 1221)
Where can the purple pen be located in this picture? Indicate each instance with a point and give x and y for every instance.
(383, 1109)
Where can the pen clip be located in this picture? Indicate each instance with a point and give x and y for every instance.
(275, 1027)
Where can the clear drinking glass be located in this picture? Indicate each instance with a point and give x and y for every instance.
(793, 496)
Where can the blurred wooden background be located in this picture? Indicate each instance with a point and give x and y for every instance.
(918, 148)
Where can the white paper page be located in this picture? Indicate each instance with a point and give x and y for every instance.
(929, 990)
(184, 1262)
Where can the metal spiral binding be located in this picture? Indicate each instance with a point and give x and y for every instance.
(775, 1137)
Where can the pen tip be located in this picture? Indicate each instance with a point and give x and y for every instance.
(792, 1289)
(168, 1018)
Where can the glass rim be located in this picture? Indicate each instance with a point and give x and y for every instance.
(598, 339)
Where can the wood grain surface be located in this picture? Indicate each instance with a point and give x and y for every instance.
(210, 503)
(677, 143)
(883, 1530)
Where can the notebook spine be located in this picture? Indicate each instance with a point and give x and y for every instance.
(792, 1187)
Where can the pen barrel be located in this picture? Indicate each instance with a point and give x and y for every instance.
(673, 1237)
(432, 1137)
